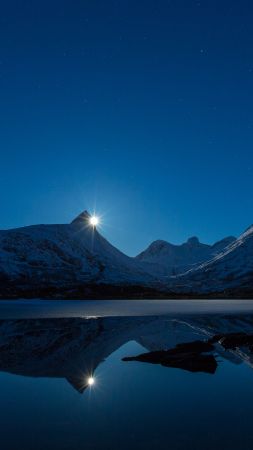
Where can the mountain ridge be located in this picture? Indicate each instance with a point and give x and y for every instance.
(76, 260)
(178, 258)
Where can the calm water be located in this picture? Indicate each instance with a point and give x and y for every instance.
(46, 402)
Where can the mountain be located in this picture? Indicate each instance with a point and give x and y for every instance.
(170, 259)
(75, 261)
(49, 260)
(230, 271)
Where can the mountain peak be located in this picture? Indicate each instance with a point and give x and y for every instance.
(82, 218)
(193, 241)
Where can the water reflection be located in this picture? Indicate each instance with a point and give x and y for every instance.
(73, 348)
(194, 357)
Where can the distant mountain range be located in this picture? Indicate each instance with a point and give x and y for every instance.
(172, 259)
(75, 261)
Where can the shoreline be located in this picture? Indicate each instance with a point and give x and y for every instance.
(37, 308)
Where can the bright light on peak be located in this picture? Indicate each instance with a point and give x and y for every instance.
(94, 220)
(90, 381)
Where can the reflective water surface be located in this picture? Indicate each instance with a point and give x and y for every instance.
(149, 382)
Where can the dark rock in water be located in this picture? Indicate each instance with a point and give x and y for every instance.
(186, 356)
(193, 362)
(196, 346)
(233, 340)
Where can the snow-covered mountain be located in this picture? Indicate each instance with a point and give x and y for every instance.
(49, 258)
(231, 269)
(75, 261)
(172, 259)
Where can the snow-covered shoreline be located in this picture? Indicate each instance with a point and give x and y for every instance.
(15, 309)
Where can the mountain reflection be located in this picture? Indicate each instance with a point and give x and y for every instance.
(72, 348)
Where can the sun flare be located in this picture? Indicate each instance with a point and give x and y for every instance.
(91, 381)
(94, 221)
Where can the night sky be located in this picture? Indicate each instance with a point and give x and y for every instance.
(142, 110)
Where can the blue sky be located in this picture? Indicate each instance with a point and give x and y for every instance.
(141, 110)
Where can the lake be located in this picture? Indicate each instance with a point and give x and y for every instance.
(126, 374)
